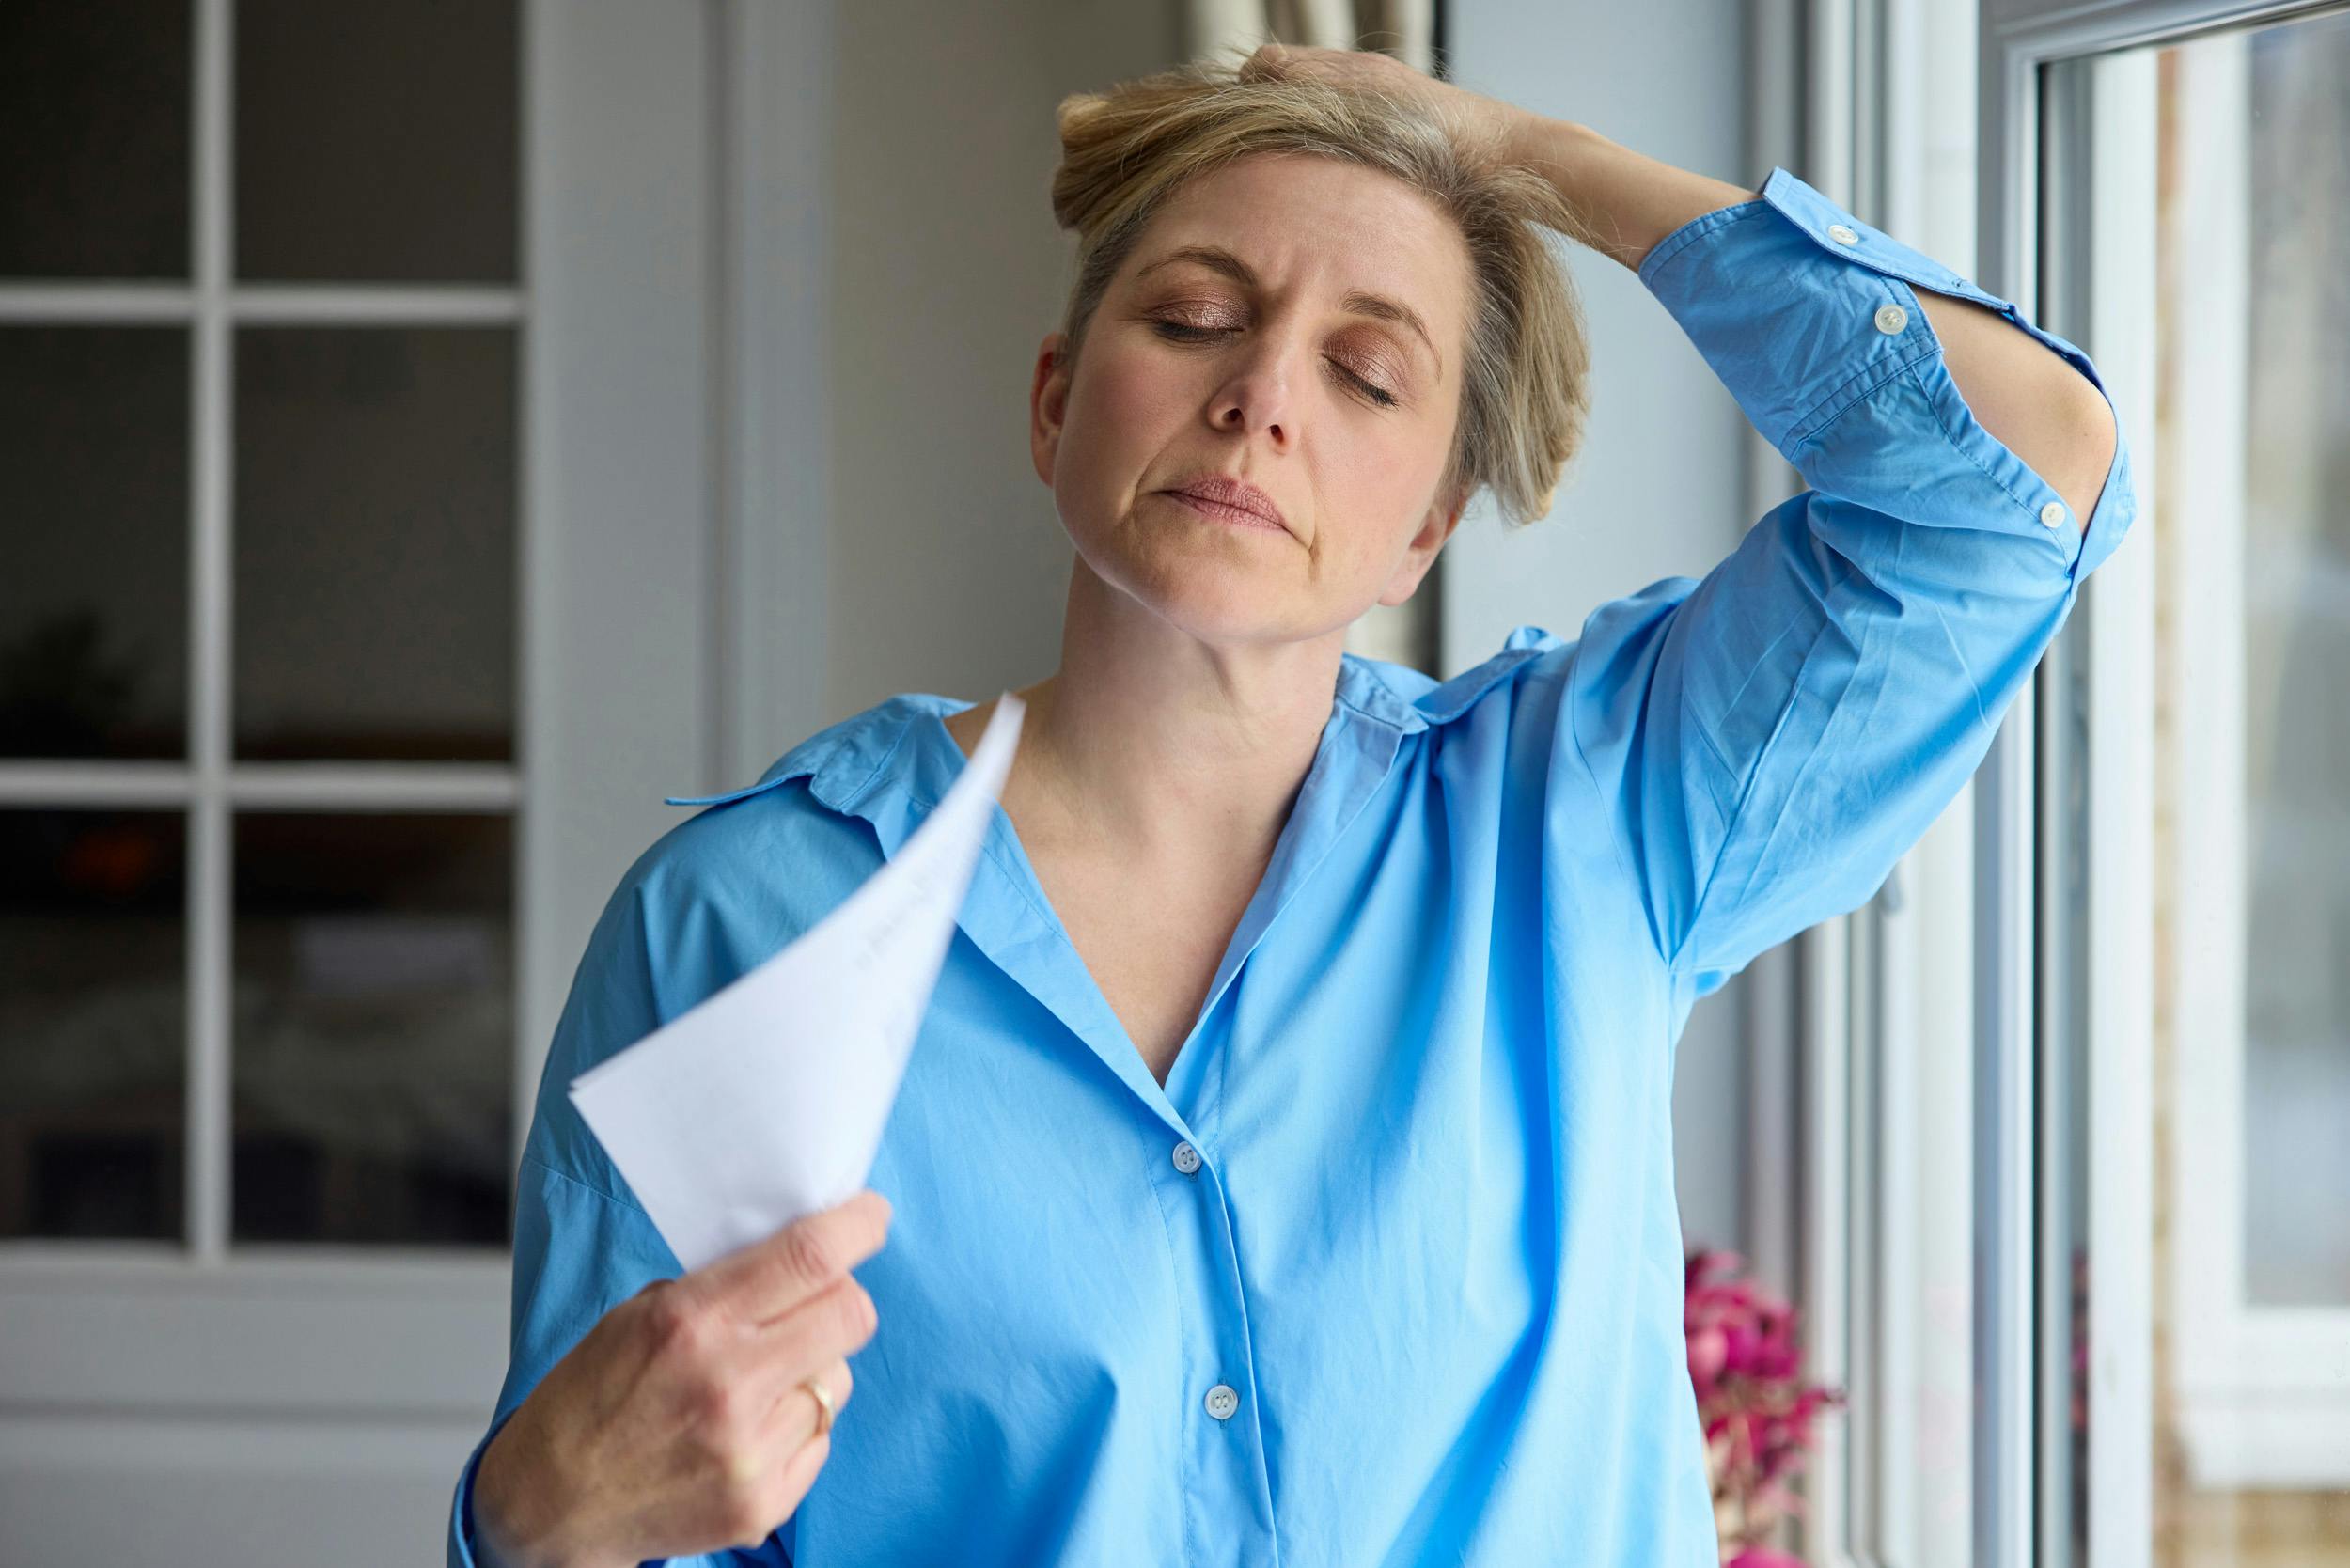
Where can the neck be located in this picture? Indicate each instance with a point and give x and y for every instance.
(1150, 742)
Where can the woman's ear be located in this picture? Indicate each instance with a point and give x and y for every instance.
(1048, 406)
(1443, 517)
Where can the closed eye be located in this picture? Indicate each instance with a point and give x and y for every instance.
(1182, 332)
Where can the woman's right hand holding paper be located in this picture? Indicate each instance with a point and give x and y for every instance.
(679, 1424)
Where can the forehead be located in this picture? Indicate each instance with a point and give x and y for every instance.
(1317, 223)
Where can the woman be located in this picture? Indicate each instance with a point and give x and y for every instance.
(1284, 1172)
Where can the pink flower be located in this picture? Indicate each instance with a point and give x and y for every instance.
(1746, 1364)
(1709, 1352)
(1764, 1556)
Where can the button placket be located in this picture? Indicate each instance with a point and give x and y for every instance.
(1223, 1466)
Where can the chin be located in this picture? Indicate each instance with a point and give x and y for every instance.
(1216, 595)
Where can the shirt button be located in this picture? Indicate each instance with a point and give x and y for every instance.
(2052, 514)
(1222, 1401)
(1841, 235)
(1890, 319)
(1186, 1158)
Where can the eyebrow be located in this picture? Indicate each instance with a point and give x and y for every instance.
(1358, 302)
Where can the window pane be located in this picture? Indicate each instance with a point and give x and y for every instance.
(2230, 146)
(375, 542)
(373, 1036)
(94, 114)
(93, 1024)
(94, 489)
(376, 143)
(2296, 622)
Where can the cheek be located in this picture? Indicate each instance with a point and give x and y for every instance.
(1382, 462)
(1118, 415)
(1124, 405)
(1379, 472)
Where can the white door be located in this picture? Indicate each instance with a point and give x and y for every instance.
(358, 567)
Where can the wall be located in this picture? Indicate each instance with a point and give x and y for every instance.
(949, 563)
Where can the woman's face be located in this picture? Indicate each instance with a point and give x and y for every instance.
(1262, 328)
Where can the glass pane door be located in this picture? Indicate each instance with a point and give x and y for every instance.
(2240, 142)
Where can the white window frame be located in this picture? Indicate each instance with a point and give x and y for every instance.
(1870, 1038)
(2102, 291)
(1861, 1037)
(212, 787)
(672, 515)
(2263, 1391)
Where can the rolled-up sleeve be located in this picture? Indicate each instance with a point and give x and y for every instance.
(1770, 738)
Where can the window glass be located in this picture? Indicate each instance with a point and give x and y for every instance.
(376, 143)
(2296, 650)
(94, 489)
(2249, 994)
(93, 1023)
(374, 1029)
(94, 113)
(374, 541)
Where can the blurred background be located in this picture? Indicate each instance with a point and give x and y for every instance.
(431, 432)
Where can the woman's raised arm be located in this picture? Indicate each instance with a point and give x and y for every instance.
(1770, 739)
(1766, 742)
(2025, 393)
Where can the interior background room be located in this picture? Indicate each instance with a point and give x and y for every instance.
(433, 432)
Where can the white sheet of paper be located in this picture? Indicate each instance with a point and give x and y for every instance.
(767, 1101)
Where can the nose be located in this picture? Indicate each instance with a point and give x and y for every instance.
(1255, 398)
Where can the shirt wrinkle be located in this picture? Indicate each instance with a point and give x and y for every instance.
(578, 1181)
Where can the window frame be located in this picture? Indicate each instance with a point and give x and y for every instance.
(672, 520)
(1848, 88)
(2231, 1359)
(2262, 1392)
(210, 787)
(2068, 782)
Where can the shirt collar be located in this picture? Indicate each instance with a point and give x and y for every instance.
(847, 762)
(892, 763)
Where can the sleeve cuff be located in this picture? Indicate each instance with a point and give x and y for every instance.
(1812, 317)
(460, 1525)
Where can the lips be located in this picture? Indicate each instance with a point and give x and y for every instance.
(1226, 490)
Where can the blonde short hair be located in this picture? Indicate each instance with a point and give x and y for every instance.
(1526, 374)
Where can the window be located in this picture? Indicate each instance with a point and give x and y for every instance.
(2217, 662)
(295, 880)
(260, 324)
(2083, 1261)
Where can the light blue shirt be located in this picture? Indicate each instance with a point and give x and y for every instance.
(1389, 1272)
